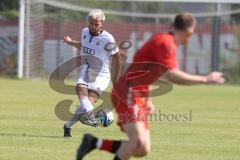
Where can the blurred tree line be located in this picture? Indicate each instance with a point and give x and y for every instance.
(8, 61)
(9, 9)
(120, 6)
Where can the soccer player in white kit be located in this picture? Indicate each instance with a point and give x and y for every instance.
(97, 50)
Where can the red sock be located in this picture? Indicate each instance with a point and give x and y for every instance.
(110, 145)
(107, 145)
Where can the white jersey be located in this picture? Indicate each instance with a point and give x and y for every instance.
(94, 48)
(95, 58)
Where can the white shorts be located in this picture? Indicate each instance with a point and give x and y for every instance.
(97, 82)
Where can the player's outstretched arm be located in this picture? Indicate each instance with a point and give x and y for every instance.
(215, 77)
(180, 77)
(69, 41)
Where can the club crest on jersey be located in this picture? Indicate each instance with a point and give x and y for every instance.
(97, 43)
(88, 51)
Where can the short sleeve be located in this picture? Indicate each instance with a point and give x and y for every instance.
(83, 34)
(114, 49)
(165, 54)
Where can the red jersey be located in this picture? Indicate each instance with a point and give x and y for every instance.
(160, 49)
(150, 62)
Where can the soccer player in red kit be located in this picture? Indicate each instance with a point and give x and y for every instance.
(130, 95)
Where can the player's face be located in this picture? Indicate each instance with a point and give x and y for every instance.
(185, 35)
(95, 26)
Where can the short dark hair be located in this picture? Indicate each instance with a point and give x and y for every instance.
(183, 21)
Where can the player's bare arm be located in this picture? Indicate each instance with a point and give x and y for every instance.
(69, 41)
(150, 105)
(116, 67)
(180, 77)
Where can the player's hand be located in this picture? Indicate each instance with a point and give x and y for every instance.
(215, 77)
(67, 39)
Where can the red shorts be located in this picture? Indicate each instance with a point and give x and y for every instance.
(130, 108)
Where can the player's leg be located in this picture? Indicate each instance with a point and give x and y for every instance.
(88, 116)
(93, 96)
(82, 93)
(90, 142)
(138, 144)
(138, 133)
(81, 90)
(88, 94)
(95, 89)
(145, 149)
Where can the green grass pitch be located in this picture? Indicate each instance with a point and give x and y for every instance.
(30, 130)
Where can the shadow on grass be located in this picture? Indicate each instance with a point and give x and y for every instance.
(28, 135)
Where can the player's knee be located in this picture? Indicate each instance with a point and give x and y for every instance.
(133, 145)
(140, 147)
(143, 150)
(93, 96)
(143, 147)
(92, 100)
(81, 91)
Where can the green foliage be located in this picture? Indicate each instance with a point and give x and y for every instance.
(235, 17)
(8, 5)
(233, 74)
(9, 14)
(9, 9)
(63, 15)
(141, 7)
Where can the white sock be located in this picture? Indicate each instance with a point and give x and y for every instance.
(99, 143)
(87, 105)
(75, 117)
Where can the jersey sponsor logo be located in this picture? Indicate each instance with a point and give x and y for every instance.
(88, 51)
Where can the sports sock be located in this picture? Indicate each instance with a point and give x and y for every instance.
(86, 104)
(108, 145)
(75, 117)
